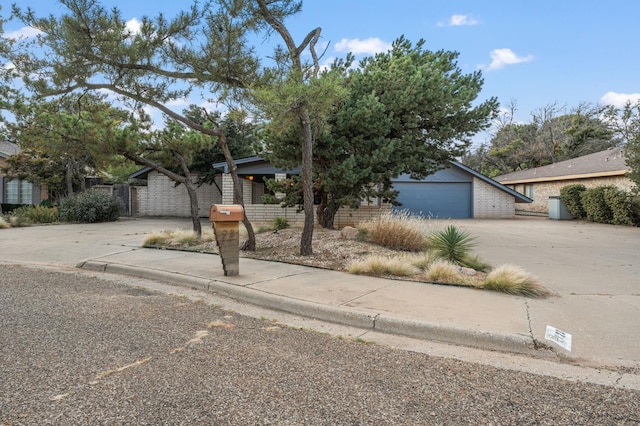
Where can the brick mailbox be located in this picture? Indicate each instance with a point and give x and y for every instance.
(226, 226)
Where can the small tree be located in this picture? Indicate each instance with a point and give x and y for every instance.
(625, 122)
(205, 49)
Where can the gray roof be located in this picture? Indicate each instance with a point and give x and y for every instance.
(609, 162)
(519, 198)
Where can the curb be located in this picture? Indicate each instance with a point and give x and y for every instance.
(514, 343)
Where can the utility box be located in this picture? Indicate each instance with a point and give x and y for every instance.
(226, 227)
(558, 209)
(226, 213)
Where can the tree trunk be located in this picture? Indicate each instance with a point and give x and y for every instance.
(193, 196)
(250, 243)
(326, 212)
(306, 248)
(69, 178)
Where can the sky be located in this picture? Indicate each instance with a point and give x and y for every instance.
(532, 54)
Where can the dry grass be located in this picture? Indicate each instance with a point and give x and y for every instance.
(443, 271)
(425, 259)
(3, 223)
(177, 238)
(397, 231)
(512, 279)
(378, 266)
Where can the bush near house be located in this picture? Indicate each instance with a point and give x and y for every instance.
(620, 204)
(90, 207)
(608, 204)
(571, 196)
(595, 205)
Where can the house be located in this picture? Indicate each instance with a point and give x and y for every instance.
(606, 167)
(457, 192)
(454, 192)
(16, 191)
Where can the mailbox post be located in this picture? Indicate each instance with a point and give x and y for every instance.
(226, 223)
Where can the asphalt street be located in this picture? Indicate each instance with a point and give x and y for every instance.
(78, 349)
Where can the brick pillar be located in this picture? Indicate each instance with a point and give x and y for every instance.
(247, 191)
(227, 189)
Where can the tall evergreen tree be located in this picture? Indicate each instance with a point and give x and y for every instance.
(408, 110)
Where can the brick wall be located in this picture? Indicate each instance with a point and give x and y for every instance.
(490, 202)
(542, 191)
(161, 197)
(263, 214)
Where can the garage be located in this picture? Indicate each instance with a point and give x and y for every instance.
(436, 199)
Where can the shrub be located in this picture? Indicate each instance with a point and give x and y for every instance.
(620, 204)
(90, 207)
(512, 279)
(397, 231)
(571, 196)
(595, 205)
(37, 214)
(279, 223)
(452, 244)
(3, 223)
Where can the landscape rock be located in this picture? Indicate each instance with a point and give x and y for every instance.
(349, 233)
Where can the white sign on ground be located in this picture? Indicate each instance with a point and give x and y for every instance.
(558, 336)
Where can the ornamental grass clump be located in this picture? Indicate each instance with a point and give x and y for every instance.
(3, 223)
(512, 279)
(443, 271)
(452, 244)
(396, 231)
(377, 266)
(177, 238)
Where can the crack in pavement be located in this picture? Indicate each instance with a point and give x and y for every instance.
(536, 344)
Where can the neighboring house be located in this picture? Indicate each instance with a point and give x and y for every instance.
(598, 169)
(16, 191)
(455, 192)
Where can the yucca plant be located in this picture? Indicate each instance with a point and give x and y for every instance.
(452, 244)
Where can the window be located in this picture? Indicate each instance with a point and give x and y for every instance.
(528, 191)
(18, 192)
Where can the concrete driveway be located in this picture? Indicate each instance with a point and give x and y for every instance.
(594, 268)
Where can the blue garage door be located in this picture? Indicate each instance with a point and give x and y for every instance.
(436, 199)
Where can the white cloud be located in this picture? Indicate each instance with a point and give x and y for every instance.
(22, 33)
(356, 46)
(458, 21)
(133, 25)
(503, 57)
(619, 99)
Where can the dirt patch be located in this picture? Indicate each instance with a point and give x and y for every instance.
(330, 250)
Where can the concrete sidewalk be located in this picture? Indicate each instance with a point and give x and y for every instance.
(595, 269)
